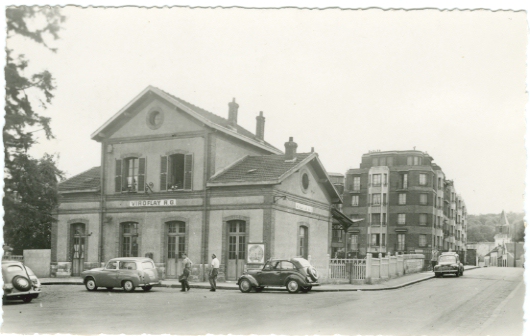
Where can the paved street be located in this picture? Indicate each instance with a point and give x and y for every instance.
(479, 303)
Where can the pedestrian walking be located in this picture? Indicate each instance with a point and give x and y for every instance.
(214, 270)
(434, 259)
(186, 262)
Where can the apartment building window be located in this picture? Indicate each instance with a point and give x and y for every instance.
(357, 183)
(402, 219)
(376, 218)
(375, 162)
(354, 242)
(414, 161)
(423, 179)
(355, 200)
(384, 199)
(402, 199)
(376, 199)
(422, 240)
(385, 179)
(384, 218)
(376, 180)
(400, 242)
(336, 236)
(404, 181)
(390, 161)
(382, 161)
(423, 199)
(440, 184)
(378, 239)
(423, 219)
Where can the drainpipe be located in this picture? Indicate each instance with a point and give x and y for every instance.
(102, 202)
(205, 218)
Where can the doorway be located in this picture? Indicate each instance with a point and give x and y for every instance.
(77, 248)
(236, 249)
(176, 245)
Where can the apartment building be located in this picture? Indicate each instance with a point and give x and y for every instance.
(406, 203)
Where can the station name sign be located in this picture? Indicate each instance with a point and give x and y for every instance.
(303, 207)
(146, 203)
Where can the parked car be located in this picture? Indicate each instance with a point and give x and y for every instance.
(295, 274)
(20, 283)
(128, 273)
(449, 263)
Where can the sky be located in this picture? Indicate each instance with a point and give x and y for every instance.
(451, 83)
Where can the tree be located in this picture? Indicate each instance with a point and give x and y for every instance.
(30, 185)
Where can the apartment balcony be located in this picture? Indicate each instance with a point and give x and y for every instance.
(377, 223)
(377, 204)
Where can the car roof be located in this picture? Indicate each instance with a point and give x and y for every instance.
(12, 262)
(449, 253)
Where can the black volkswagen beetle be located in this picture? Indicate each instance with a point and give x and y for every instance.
(295, 274)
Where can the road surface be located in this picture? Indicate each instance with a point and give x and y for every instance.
(484, 301)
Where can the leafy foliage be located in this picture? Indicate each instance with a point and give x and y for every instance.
(28, 209)
(30, 185)
(481, 228)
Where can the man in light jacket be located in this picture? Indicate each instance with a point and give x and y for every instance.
(214, 270)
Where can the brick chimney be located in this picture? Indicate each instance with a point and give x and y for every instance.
(232, 112)
(260, 126)
(290, 149)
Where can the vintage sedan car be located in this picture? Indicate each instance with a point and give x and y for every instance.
(128, 273)
(20, 283)
(295, 274)
(449, 263)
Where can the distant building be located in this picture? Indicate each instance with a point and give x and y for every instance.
(407, 203)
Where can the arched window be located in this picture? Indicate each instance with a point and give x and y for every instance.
(303, 239)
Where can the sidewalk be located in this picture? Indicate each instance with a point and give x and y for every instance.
(395, 283)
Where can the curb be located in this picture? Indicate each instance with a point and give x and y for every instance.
(319, 289)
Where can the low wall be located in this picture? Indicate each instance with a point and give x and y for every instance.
(380, 269)
(38, 261)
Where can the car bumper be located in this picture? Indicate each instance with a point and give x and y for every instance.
(20, 295)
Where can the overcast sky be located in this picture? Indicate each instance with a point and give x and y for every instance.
(451, 83)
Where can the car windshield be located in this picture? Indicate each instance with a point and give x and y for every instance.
(447, 259)
(14, 268)
(111, 265)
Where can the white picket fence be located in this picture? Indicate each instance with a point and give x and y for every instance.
(346, 269)
(373, 269)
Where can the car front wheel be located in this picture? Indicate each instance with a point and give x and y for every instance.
(128, 286)
(457, 274)
(245, 286)
(90, 284)
(293, 286)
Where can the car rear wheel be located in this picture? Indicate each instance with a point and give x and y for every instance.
(128, 286)
(304, 289)
(27, 299)
(90, 284)
(245, 286)
(293, 286)
(259, 289)
(21, 283)
(147, 288)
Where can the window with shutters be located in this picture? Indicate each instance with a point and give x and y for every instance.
(176, 172)
(130, 174)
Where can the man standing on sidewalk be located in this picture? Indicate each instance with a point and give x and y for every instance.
(213, 273)
(434, 259)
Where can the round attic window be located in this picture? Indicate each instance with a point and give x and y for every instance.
(155, 119)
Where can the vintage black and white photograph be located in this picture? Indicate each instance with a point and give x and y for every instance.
(292, 170)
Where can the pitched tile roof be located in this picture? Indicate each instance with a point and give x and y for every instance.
(87, 180)
(263, 168)
(217, 119)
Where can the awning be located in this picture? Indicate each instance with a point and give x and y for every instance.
(341, 221)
